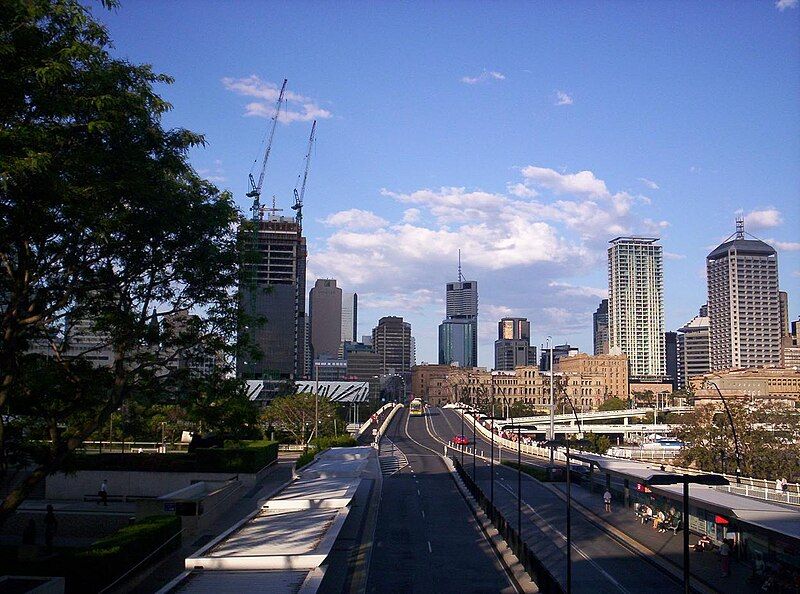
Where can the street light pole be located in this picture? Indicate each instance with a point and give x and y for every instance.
(491, 464)
(519, 482)
(552, 434)
(686, 573)
(473, 444)
(316, 400)
(569, 522)
(733, 430)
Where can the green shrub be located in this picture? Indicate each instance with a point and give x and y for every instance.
(540, 474)
(306, 457)
(342, 441)
(245, 457)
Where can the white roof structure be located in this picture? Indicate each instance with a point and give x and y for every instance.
(281, 546)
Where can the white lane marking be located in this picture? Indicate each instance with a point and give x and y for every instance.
(423, 513)
(429, 547)
(575, 547)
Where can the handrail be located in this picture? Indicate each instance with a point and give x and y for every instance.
(135, 567)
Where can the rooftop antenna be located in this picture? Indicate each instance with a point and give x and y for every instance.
(460, 276)
(739, 227)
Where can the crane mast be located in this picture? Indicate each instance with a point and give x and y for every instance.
(298, 196)
(255, 187)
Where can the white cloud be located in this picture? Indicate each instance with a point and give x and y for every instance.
(569, 290)
(787, 246)
(298, 108)
(784, 4)
(674, 256)
(411, 215)
(583, 182)
(649, 183)
(521, 190)
(355, 219)
(486, 75)
(215, 174)
(563, 98)
(763, 219)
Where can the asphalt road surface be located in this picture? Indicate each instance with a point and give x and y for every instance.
(426, 538)
(599, 562)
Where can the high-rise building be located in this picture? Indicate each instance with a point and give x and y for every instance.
(349, 316)
(600, 328)
(560, 351)
(391, 340)
(636, 303)
(513, 348)
(693, 349)
(671, 357)
(276, 293)
(458, 332)
(743, 303)
(790, 347)
(325, 312)
(783, 303)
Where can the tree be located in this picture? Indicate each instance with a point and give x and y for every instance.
(521, 409)
(613, 403)
(769, 440)
(599, 444)
(295, 414)
(102, 220)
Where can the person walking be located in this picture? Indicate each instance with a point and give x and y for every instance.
(50, 526)
(103, 492)
(607, 500)
(725, 558)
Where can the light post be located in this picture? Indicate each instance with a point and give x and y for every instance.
(552, 433)
(491, 463)
(519, 429)
(733, 430)
(316, 400)
(686, 480)
(474, 444)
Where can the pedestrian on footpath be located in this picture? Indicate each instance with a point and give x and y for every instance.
(103, 492)
(778, 485)
(50, 525)
(607, 500)
(725, 558)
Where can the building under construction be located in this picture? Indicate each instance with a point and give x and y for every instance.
(276, 295)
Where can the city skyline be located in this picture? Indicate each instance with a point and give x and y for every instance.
(513, 141)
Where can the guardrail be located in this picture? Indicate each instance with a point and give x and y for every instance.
(747, 486)
(540, 574)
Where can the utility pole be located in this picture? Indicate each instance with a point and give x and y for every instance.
(552, 434)
(316, 400)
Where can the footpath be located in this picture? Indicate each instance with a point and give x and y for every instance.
(623, 523)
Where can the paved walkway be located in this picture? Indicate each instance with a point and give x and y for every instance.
(172, 566)
(705, 566)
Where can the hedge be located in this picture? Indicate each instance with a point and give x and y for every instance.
(246, 457)
(94, 568)
(109, 558)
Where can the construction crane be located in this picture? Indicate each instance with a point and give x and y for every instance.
(298, 196)
(255, 188)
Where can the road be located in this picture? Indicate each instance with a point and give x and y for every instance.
(599, 562)
(427, 539)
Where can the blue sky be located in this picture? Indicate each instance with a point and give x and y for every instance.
(527, 134)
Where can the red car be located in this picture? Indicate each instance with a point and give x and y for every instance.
(460, 440)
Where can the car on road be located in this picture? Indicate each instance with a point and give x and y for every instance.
(461, 440)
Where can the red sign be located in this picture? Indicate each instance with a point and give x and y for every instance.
(720, 520)
(643, 488)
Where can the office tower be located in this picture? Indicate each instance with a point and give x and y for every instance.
(458, 332)
(743, 303)
(275, 292)
(790, 347)
(365, 366)
(513, 348)
(560, 351)
(391, 340)
(693, 349)
(783, 303)
(325, 313)
(349, 316)
(636, 304)
(671, 357)
(600, 328)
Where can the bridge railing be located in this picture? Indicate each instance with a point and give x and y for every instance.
(540, 574)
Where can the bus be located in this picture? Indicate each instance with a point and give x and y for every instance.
(416, 407)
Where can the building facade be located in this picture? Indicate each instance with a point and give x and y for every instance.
(275, 291)
(349, 316)
(771, 385)
(365, 366)
(636, 303)
(560, 351)
(743, 303)
(693, 349)
(612, 368)
(600, 328)
(790, 347)
(513, 345)
(391, 341)
(671, 357)
(325, 313)
(458, 332)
